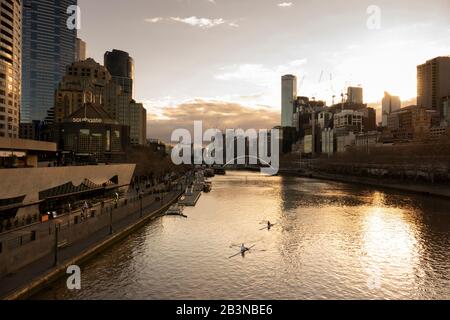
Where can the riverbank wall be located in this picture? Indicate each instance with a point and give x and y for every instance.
(408, 186)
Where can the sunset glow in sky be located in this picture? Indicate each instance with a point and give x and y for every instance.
(235, 51)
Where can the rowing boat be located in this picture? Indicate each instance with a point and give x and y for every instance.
(242, 252)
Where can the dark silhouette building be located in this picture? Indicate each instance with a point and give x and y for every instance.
(91, 135)
(121, 66)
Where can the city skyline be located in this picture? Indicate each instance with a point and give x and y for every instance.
(228, 150)
(191, 45)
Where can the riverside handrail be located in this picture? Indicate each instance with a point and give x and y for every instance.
(39, 223)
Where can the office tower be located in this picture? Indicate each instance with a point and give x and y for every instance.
(121, 67)
(88, 82)
(85, 82)
(134, 115)
(48, 47)
(288, 99)
(10, 67)
(433, 83)
(389, 104)
(355, 95)
(80, 51)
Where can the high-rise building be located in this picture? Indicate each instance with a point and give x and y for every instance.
(88, 82)
(10, 67)
(48, 48)
(85, 82)
(134, 116)
(81, 50)
(288, 99)
(389, 104)
(433, 83)
(121, 66)
(355, 95)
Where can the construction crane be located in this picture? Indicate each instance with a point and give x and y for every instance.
(332, 89)
(301, 83)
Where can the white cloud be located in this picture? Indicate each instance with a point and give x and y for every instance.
(154, 20)
(204, 23)
(245, 72)
(285, 4)
(262, 79)
(258, 73)
(298, 63)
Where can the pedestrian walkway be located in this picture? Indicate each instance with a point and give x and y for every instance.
(44, 265)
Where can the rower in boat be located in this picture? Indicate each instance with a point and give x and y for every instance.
(244, 249)
(269, 226)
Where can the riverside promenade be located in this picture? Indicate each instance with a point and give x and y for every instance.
(82, 241)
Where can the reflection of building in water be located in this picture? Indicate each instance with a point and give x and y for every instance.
(91, 134)
(291, 195)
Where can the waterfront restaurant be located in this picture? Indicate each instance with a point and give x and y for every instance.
(90, 135)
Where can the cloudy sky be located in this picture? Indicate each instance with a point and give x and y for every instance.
(222, 60)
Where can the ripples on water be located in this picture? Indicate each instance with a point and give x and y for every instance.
(331, 241)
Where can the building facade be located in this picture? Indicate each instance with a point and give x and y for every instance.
(288, 99)
(121, 67)
(80, 50)
(349, 120)
(89, 82)
(412, 123)
(433, 83)
(355, 95)
(48, 47)
(134, 116)
(10, 67)
(389, 104)
(90, 134)
(85, 82)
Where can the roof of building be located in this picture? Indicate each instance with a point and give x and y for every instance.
(26, 145)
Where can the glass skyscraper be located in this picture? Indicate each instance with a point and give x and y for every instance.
(49, 46)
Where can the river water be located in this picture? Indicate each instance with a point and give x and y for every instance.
(330, 241)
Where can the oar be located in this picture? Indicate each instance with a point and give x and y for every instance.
(235, 255)
(248, 249)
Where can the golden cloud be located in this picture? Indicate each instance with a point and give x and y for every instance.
(214, 114)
